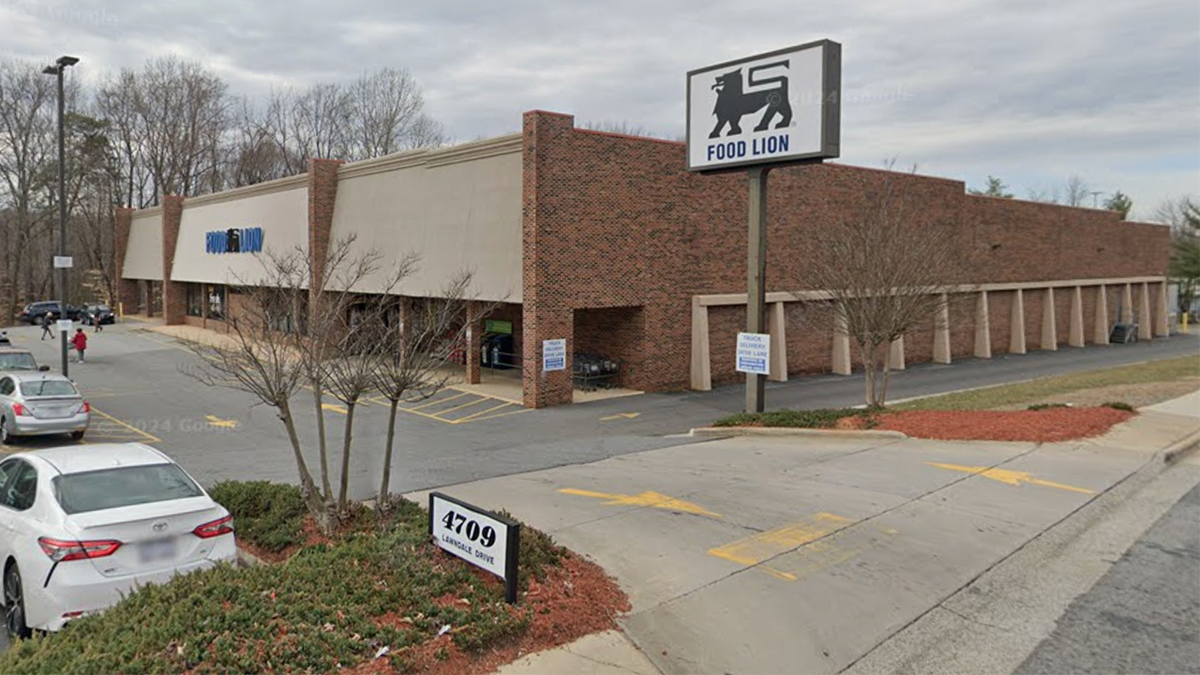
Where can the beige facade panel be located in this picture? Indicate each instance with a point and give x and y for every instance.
(143, 253)
(282, 215)
(463, 215)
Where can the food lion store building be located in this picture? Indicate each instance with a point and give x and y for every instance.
(606, 242)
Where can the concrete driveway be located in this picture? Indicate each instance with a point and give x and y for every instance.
(802, 554)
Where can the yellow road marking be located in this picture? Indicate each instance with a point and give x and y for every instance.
(334, 408)
(498, 398)
(138, 433)
(652, 499)
(766, 545)
(1010, 477)
(618, 416)
(435, 402)
(502, 404)
(492, 417)
(460, 407)
(218, 422)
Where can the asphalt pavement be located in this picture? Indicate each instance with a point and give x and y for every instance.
(137, 382)
(1141, 617)
(802, 554)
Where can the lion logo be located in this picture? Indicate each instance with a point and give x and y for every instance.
(733, 103)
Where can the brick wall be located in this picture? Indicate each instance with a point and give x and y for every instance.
(613, 221)
(322, 196)
(174, 293)
(615, 333)
(127, 289)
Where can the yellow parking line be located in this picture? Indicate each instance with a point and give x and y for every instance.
(503, 414)
(503, 404)
(498, 398)
(433, 403)
(151, 438)
(460, 407)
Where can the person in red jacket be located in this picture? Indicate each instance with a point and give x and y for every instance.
(79, 342)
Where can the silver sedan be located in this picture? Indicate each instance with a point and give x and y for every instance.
(37, 404)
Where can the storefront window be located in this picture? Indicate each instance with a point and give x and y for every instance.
(216, 301)
(195, 300)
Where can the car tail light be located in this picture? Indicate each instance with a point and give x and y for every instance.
(215, 529)
(84, 409)
(60, 550)
(21, 411)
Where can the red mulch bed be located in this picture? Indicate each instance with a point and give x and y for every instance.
(574, 600)
(1040, 426)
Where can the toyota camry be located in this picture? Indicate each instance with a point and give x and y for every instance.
(81, 526)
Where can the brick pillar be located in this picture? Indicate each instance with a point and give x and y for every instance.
(174, 293)
(126, 289)
(322, 195)
(474, 341)
(546, 314)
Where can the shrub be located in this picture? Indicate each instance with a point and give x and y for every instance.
(267, 515)
(537, 550)
(1046, 406)
(804, 419)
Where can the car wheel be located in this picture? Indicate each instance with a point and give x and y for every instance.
(14, 604)
(77, 435)
(6, 438)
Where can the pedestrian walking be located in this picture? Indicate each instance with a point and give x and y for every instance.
(46, 326)
(80, 343)
(96, 327)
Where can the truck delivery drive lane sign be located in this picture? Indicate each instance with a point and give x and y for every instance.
(753, 353)
(480, 537)
(554, 355)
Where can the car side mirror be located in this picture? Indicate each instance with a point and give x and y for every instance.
(43, 368)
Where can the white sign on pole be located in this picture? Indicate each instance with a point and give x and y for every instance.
(554, 355)
(773, 107)
(754, 353)
(63, 261)
(477, 536)
(64, 325)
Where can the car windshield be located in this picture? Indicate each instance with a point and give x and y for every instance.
(17, 361)
(124, 486)
(48, 388)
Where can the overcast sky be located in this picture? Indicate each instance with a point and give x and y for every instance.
(1028, 90)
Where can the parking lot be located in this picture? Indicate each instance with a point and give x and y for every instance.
(137, 381)
(766, 554)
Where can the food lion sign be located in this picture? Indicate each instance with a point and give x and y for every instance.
(774, 107)
(480, 537)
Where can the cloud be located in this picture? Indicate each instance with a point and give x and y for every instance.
(1025, 89)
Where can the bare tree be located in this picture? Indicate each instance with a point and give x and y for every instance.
(1076, 190)
(388, 115)
(27, 163)
(264, 361)
(420, 340)
(886, 266)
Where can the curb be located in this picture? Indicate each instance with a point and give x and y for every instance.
(247, 559)
(728, 432)
(1173, 452)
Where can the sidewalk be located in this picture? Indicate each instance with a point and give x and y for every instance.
(805, 554)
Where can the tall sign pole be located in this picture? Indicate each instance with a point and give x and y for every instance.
(792, 99)
(756, 279)
(60, 261)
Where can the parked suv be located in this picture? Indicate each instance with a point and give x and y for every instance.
(102, 314)
(34, 312)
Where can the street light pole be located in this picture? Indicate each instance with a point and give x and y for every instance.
(57, 70)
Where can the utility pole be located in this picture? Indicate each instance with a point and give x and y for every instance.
(61, 278)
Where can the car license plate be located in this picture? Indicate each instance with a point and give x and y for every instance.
(157, 550)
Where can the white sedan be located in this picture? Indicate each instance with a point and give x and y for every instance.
(81, 526)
